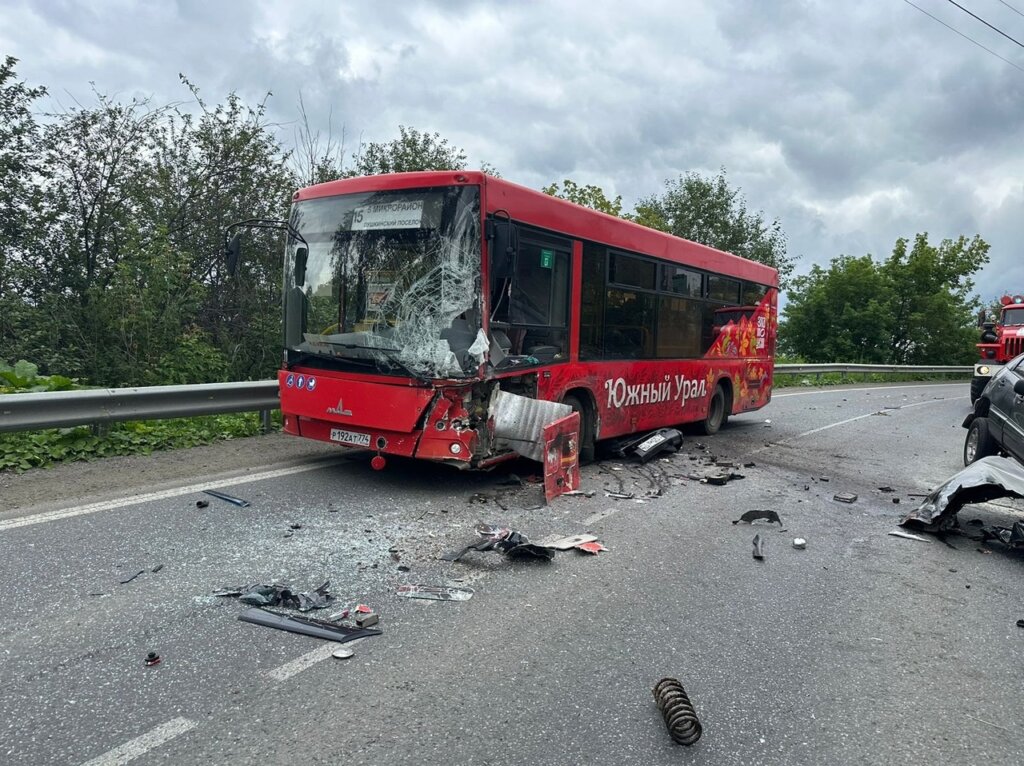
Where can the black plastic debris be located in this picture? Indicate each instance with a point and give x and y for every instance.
(751, 516)
(758, 548)
(886, 489)
(646, 446)
(845, 497)
(152, 659)
(305, 625)
(987, 479)
(125, 582)
(276, 594)
(1012, 536)
(1020, 623)
(227, 498)
(202, 503)
(157, 568)
(505, 540)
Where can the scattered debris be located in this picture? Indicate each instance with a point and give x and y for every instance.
(366, 620)
(580, 493)
(341, 615)
(1013, 537)
(305, 625)
(620, 495)
(513, 544)
(662, 440)
(677, 710)
(751, 516)
(845, 497)
(294, 525)
(799, 543)
(758, 548)
(984, 480)
(886, 489)
(751, 464)
(276, 594)
(1020, 623)
(343, 653)
(436, 592)
(157, 568)
(202, 503)
(565, 543)
(363, 609)
(896, 501)
(593, 547)
(227, 498)
(909, 536)
(152, 659)
(125, 582)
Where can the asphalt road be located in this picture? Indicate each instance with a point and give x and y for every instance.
(864, 648)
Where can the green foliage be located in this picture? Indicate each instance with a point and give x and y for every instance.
(24, 377)
(22, 451)
(916, 307)
(708, 210)
(412, 150)
(589, 196)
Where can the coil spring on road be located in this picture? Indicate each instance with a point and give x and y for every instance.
(677, 710)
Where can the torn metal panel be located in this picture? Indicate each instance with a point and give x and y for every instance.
(561, 456)
(519, 422)
(984, 480)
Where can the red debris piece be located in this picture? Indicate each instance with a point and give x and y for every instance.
(363, 609)
(593, 547)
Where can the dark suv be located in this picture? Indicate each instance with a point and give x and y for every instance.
(997, 424)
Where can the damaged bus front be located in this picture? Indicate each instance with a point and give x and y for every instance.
(385, 334)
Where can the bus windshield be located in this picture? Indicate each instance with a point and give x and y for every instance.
(1013, 317)
(390, 278)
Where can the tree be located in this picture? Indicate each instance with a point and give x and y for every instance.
(412, 150)
(839, 314)
(21, 175)
(709, 211)
(934, 311)
(916, 307)
(589, 196)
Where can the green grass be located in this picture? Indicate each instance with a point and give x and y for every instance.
(38, 449)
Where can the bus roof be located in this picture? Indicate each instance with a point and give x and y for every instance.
(574, 221)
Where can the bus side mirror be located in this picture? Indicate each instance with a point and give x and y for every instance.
(301, 256)
(232, 251)
(503, 239)
(982, 316)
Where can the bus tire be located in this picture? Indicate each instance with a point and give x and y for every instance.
(588, 448)
(977, 386)
(979, 442)
(717, 413)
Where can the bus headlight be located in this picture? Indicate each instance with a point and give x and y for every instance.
(455, 449)
(983, 370)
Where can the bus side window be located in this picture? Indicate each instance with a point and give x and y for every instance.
(592, 303)
(629, 324)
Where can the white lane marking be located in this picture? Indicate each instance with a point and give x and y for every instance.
(289, 669)
(599, 515)
(872, 388)
(107, 505)
(861, 417)
(153, 738)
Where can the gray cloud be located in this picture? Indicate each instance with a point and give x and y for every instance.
(853, 123)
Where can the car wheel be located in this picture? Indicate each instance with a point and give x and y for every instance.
(716, 413)
(979, 442)
(977, 386)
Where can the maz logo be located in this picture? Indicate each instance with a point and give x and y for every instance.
(339, 410)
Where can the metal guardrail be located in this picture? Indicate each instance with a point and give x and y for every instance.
(62, 409)
(807, 369)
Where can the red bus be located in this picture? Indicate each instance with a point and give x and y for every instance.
(415, 304)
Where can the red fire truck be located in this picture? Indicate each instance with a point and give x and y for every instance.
(433, 314)
(1001, 341)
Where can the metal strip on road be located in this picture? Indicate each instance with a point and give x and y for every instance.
(108, 505)
(153, 738)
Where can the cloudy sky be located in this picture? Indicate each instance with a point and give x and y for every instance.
(852, 123)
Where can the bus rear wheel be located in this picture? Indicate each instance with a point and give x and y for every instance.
(588, 448)
(717, 413)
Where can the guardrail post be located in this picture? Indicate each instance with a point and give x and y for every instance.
(265, 422)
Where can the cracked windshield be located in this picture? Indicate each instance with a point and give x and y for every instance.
(391, 280)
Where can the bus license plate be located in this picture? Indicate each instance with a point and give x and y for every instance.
(350, 437)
